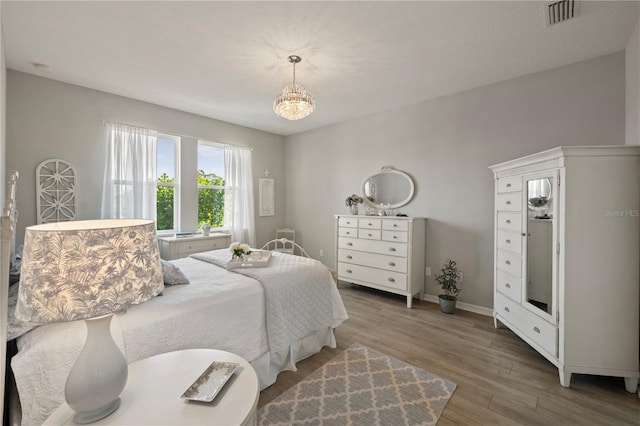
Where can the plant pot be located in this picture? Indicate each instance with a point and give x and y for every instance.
(447, 303)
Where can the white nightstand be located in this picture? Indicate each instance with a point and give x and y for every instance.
(175, 248)
(154, 386)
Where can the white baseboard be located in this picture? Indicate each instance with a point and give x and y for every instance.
(462, 305)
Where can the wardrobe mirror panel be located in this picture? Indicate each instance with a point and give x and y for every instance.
(540, 226)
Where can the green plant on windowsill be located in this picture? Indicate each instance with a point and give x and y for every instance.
(447, 279)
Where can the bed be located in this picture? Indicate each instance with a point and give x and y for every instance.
(273, 317)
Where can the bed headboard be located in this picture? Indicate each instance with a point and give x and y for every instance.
(7, 248)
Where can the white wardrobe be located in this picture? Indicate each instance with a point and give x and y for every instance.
(567, 233)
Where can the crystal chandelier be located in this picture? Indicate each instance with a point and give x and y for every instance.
(294, 102)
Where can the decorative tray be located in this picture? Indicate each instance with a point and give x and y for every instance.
(209, 384)
(257, 259)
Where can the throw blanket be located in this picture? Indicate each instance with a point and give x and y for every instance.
(297, 294)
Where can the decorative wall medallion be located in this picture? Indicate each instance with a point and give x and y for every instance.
(56, 187)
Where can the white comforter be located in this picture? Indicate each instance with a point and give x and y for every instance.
(297, 295)
(218, 309)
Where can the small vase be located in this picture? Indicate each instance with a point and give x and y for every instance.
(354, 209)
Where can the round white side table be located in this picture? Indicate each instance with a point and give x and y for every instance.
(154, 386)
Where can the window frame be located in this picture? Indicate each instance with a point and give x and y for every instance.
(219, 187)
(175, 185)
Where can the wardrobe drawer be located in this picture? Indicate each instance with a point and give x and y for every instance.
(535, 328)
(541, 332)
(509, 285)
(348, 222)
(509, 262)
(399, 236)
(510, 184)
(511, 201)
(381, 247)
(381, 261)
(395, 225)
(348, 232)
(509, 241)
(390, 279)
(369, 234)
(369, 223)
(510, 221)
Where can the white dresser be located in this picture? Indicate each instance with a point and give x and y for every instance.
(387, 253)
(176, 248)
(567, 232)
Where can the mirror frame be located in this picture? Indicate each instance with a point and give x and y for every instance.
(389, 170)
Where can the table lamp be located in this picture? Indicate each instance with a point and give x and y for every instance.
(89, 270)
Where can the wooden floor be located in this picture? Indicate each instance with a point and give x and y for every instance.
(500, 379)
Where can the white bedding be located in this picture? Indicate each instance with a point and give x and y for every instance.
(218, 309)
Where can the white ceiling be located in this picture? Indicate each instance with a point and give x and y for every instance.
(227, 60)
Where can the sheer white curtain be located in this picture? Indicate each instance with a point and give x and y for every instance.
(238, 204)
(130, 174)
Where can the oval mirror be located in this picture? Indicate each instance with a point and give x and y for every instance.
(388, 189)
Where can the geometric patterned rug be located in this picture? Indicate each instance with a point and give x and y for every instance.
(361, 386)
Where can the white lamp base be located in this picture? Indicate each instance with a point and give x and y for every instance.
(98, 377)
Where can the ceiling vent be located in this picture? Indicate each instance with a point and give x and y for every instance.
(560, 11)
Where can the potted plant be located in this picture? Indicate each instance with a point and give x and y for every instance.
(352, 202)
(206, 228)
(447, 279)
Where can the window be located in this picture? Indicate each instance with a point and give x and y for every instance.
(211, 184)
(166, 195)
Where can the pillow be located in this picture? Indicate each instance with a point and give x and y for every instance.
(171, 274)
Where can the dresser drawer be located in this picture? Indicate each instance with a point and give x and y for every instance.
(399, 236)
(369, 234)
(348, 222)
(390, 279)
(395, 225)
(510, 184)
(369, 223)
(380, 261)
(189, 247)
(535, 328)
(511, 221)
(509, 262)
(509, 241)
(509, 285)
(511, 201)
(348, 232)
(380, 247)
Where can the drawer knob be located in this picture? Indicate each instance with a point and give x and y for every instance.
(392, 249)
(508, 241)
(392, 263)
(371, 235)
(395, 237)
(348, 271)
(370, 224)
(349, 256)
(395, 225)
(508, 203)
(391, 280)
(349, 244)
(348, 223)
(506, 309)
(536, 329)
(508, 220)
(508, 185)
(507, 285)
(508, 262)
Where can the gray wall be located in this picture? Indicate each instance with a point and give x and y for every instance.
(49, 119)
(447, 144)
(632, 76)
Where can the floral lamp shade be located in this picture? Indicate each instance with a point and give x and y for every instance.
(85, 269)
